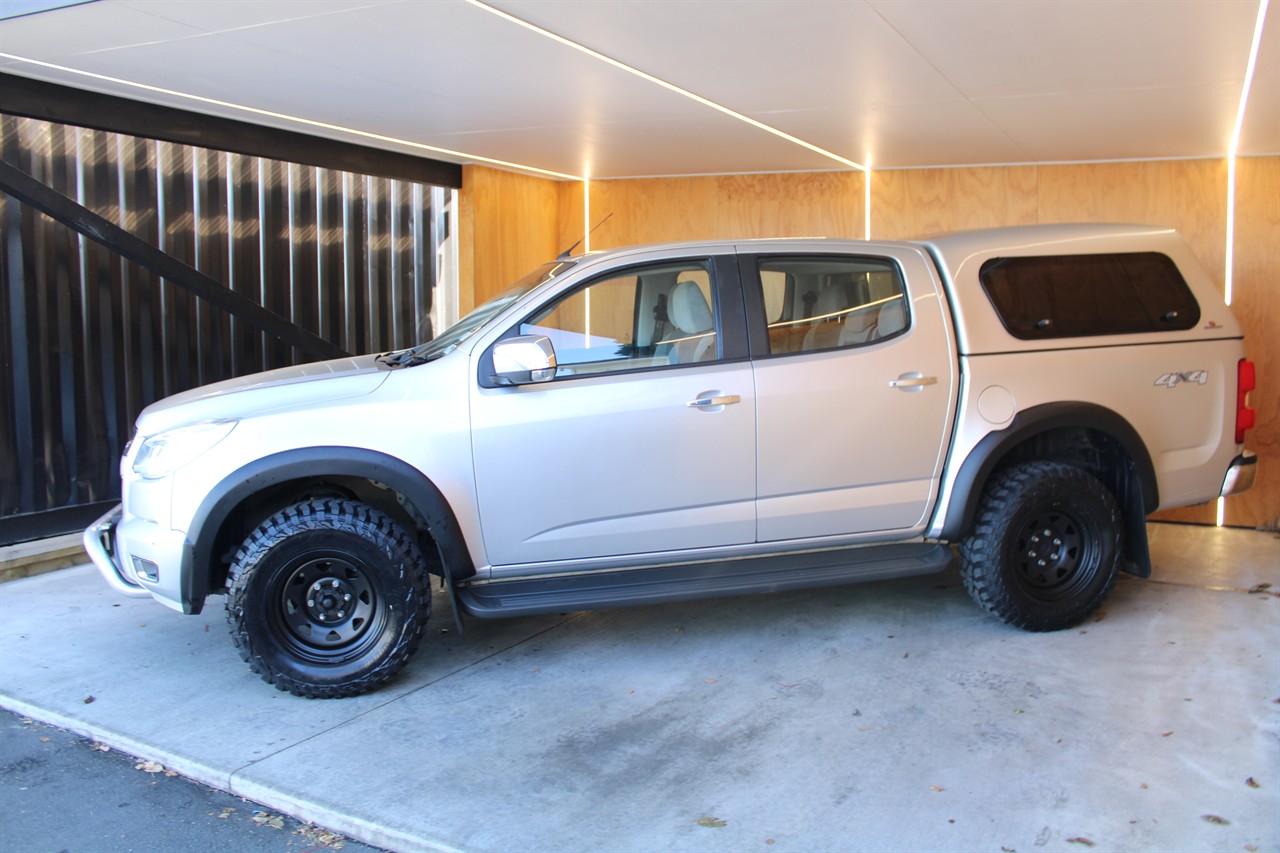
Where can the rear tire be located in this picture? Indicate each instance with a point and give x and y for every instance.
(1045, 547)
(327, 598)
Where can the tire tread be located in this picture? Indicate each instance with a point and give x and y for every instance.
(981, 553)
(333, 514)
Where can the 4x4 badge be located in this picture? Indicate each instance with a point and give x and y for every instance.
(1173, 380)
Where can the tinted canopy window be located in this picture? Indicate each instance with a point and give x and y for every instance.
(1066, 296)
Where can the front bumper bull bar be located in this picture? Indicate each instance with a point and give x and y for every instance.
(100, 545)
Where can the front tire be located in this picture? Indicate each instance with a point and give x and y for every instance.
(1045, 548)
(327, 598)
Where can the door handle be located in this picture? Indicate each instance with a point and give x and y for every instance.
(708, 402)
(907, 381)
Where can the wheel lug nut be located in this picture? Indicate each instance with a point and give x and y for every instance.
(311, 602)
(341, 614)
(346, 598)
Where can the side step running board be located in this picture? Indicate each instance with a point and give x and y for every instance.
(631, 587)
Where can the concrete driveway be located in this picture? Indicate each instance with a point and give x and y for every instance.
(886, 716)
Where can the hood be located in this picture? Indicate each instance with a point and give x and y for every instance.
(284, 388)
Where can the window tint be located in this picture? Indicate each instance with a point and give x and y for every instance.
(644, 317)
(1081, 295)
(816, 303)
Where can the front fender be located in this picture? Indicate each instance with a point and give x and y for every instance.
(309, 463)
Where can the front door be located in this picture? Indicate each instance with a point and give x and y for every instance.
(643, 442)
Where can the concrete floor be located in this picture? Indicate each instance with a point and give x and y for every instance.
(886, 716)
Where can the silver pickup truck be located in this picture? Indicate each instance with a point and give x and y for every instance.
(672, 422)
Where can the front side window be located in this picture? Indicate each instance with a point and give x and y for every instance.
(643, 317)
(818, 303)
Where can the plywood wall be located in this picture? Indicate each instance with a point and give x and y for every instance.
(933, 201)
(514, 223)
(811, 204)
(508, 224)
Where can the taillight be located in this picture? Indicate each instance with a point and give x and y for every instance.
(1246, 381)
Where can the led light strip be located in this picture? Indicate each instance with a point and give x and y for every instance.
(1234, 146)
(671, 87)
(299, 119)
(1232, 150)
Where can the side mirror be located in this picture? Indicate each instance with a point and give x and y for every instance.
(524, 360)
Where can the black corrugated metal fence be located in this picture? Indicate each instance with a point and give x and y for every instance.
(87, 338)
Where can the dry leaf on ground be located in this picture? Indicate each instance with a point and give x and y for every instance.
(274, 821)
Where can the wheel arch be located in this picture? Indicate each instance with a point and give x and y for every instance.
(263, 486)
(1093, 437)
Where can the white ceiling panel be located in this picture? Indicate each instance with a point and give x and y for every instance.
(1015, 48)
(757, 56)
(1118, 125)
(707, 145)
(895, 82)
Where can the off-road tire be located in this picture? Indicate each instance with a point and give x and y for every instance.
(327, 598)
(1045, 547)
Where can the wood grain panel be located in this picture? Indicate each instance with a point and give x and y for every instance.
(1256, 302)
(916, 202)
(508, 224)
(569, 228)
(813, 204)
(655, 210)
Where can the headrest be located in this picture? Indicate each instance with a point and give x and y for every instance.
(893, 319)
(830, 300)
(688, 308)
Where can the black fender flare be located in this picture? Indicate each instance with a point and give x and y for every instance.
(1138, 492)
(307, 463)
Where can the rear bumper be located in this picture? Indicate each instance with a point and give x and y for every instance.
(1241, 474)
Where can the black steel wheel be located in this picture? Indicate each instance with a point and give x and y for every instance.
(327, 598)
(1045, 547)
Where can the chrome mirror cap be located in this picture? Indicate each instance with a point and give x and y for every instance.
(524, 360)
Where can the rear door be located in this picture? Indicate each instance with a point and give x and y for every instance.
(856, 379)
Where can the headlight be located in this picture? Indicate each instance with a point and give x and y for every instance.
(162, 454)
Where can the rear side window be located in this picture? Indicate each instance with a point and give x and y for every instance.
(823, 303)
(1066, 296)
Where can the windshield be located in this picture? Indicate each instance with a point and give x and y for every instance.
(448, 340)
